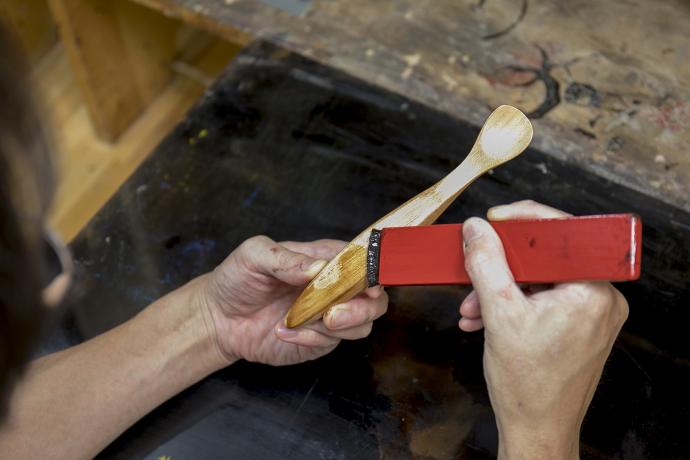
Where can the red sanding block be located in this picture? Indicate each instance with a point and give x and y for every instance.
(606, 247)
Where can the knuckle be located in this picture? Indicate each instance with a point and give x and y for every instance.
(312, 338)
(598, 310)
(383, 305)
(254, 244)
(527, 203)
(478, 257)
(505, 291)
(621, 304)
(374, 312)
(366, 313)
(597, 299)
(475, 256)
(364, 330)
(580, 294)
(284, 259)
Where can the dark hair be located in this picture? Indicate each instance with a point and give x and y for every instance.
(26, 184)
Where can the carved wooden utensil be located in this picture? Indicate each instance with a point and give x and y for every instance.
(505, 134)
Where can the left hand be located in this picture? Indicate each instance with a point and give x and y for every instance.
(248, 295)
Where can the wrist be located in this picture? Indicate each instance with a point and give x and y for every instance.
(191, 321)
(524, 442)
(212, 335)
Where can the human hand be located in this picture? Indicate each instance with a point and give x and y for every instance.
(247, 296)
(545, 346)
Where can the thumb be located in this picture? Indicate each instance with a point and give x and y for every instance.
(486, 266)
(265, 256)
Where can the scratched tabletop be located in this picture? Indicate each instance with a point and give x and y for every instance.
(607, 83)
(287, 147)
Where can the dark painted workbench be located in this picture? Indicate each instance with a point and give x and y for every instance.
(289, 148)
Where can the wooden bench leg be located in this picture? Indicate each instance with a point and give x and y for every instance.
(121, 54)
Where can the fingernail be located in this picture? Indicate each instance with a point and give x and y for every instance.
(498, 212)
(284, 332)
(315, 268)
(471, 230)
(339, 317)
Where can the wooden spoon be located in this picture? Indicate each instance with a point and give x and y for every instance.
(505, 134)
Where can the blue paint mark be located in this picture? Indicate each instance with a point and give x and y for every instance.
(250, 199)
(166, 279)
(193, 255)
(198, 247)
(294, 7)
(140, 294)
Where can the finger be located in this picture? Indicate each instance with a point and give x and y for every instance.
(470, 308)
(305, 337)
(355, 312)
(587, 295)
(352, 333)
(374, 292)
(319, 249)
(486, 266)
(263, 255)
(597, 301)
(531, 289)
(574, 292)
(470, 325)
(526, 209)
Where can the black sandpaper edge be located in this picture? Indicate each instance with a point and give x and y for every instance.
(373, 253)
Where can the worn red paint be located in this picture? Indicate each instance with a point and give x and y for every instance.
(538, 251)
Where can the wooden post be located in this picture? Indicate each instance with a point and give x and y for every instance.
(121, 55)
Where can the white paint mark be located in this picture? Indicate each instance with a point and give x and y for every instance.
(633, 249)
(406, 73)
(329, 275)
(412, 59)
(542, 167)
(500, 141)
(451, 83)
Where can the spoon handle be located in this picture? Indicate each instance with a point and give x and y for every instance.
(345, 275)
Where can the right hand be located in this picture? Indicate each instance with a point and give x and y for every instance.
(544, 350)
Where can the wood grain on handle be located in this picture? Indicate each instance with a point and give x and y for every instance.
(505, 134)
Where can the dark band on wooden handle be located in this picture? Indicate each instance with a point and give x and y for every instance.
(373, 252)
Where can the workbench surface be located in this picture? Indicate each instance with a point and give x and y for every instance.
(289, 148)
(607, 84)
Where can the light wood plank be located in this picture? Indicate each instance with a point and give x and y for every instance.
(91, 170)
(120, 53)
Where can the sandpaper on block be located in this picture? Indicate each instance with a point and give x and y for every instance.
(606, 247)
